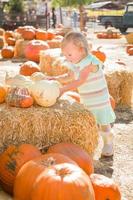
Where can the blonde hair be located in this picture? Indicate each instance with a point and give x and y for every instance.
(77, 38)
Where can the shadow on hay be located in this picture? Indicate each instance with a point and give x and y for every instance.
(124, 115)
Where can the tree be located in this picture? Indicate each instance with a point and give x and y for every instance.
(74, 3)
(16, 6)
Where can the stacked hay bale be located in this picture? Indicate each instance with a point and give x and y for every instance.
(52, 63)
(120, 84)
(63, 122)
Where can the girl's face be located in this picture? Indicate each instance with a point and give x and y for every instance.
(73, 53)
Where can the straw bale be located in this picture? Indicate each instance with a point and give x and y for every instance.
(63, 122)
(20, 48)
(52, 63)
(127, 89)
(114, 81)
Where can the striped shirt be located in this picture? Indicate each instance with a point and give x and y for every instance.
(94, 92)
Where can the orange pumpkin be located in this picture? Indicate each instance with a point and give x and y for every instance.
(73, 151)
(33, 48)
(105, 188)
(2, 93)
(7, 52)
(128, 47)
(8, 34)
(28, 34)
(63, 181)
(99, 54)
(11, 41)
(28, 68)
(130, 51)
(11, 160)
(112, 101)
(23, 185)
(41, 35)
(50, 35)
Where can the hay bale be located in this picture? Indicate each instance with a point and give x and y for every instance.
(127, 89)
(63, 122)
(19, 49)
(114, 80)
(52, 63)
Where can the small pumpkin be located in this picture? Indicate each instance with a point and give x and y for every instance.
(33, 48)
(130, 51)
(76, 153)
(65, 181)
(28, 34)
(19, 97)
(105, 188)
(28, 68)
(41, 34)
(11, 160)
(7, 52)
(99, 54)
(2, 93)
(11, 41)
(33, 168)
(45, 92)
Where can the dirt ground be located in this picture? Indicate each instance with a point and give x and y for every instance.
(120, 167)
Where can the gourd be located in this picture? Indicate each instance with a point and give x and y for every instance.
(23, 184)
(65, 181)
(45, 92)
(105, 188)
(19, 97)
(73, 151)
(28, 68)
(11, 160)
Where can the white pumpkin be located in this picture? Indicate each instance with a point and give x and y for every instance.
(45, 92)
(18, 80)
(37, 76)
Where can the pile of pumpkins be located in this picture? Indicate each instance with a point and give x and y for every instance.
(109, 34)
(37, 40)
(64, 172)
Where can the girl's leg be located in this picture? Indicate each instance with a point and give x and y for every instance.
(107, 136)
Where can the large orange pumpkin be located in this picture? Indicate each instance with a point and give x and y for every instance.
(7, 52)
(105, 188)
(28, 68)
(2, 93)
(23, 185)
(99, 54)
(63, 181)
(11, 160)
(73, 151)
(33, 48)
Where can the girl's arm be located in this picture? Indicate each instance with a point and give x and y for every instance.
(82, 79)
(63, 78)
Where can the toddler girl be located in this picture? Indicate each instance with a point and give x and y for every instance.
(91, 85)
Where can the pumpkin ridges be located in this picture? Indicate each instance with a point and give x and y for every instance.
(11, 160)
(77, 154)
(33, 168)
(65, 182)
